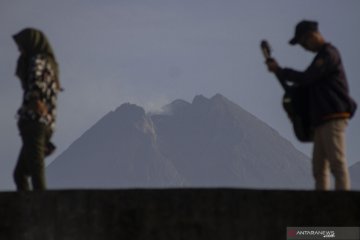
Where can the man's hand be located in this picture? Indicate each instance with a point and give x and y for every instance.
(272, 65)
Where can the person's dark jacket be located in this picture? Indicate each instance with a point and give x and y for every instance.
(38, 72)
(327, 85)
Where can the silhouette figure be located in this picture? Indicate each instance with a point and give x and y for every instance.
(37, 70)
(329, 103)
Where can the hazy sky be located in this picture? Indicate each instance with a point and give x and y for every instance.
(151, 52)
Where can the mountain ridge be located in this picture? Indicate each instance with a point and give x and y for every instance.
(210, 142)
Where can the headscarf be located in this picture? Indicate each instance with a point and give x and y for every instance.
(32, 42)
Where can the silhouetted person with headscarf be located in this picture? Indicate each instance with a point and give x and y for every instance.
(37, 70)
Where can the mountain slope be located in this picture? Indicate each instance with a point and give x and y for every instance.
(118, 151)
(207, 143)
(223, 145)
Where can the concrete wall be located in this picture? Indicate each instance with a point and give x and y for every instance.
(171, 214)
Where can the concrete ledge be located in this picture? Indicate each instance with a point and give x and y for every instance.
(171, 214)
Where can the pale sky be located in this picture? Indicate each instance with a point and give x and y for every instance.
(151, 52)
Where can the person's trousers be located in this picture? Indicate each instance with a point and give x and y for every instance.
(31, 164)
(329, 155)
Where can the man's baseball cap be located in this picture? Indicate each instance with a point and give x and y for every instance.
(302, 28)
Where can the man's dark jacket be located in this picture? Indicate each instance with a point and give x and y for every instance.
(327, 86)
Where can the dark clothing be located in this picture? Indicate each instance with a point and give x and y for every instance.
(34, 136)
(40, 85)
(328, 88)
(38, 72)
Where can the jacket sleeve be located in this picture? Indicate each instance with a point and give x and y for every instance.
(325, 63)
